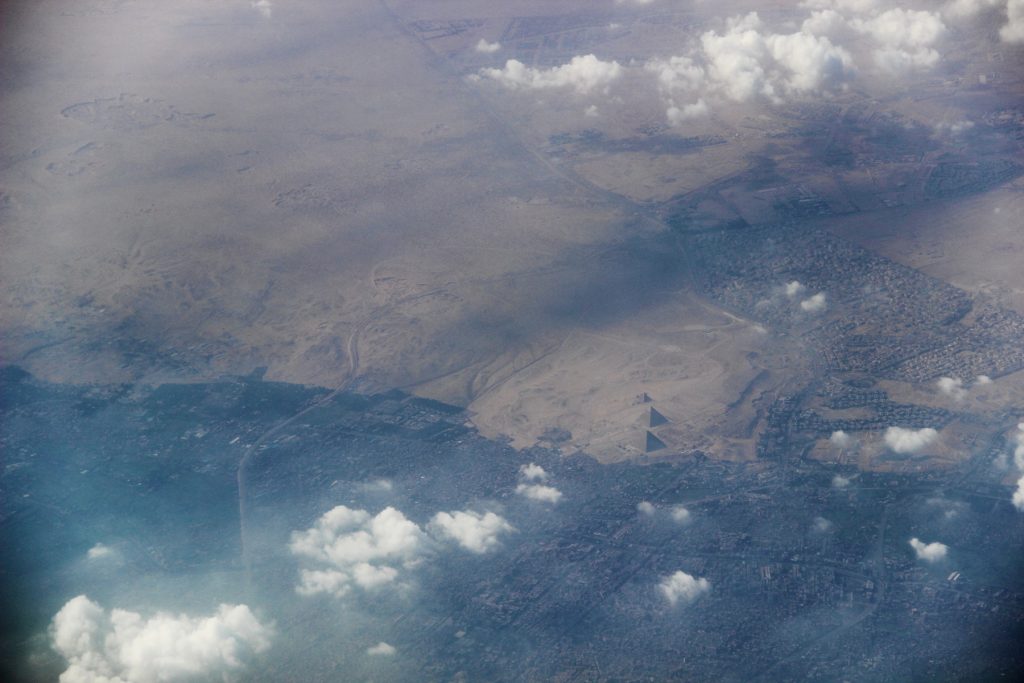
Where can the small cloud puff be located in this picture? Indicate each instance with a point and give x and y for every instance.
(821, 525)
(902, 440)
(929, 552)
(814, 304)
(680, 514)
(264, 7)
(533, 472)
(355, 549)
(121, 646)
(583, 73)
(682, 587)
(101, 552)
(841, 439)
(547, 494)
(381, 649)
(952, 387)
(487, 48)
(646, 508)
(475, 532)
(840, 482)
(794, 289)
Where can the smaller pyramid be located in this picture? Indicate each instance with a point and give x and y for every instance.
(653, 443)
(656, 419)
(644, 398)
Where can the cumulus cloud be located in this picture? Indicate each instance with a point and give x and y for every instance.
(475, 532)
(679, 77)
(903, 440)
(929, 552)
(1013, 30)
(821, 525)
(264, 7)
(982, 380)
(841, 439)
(101, 552)
(547, 494)
(354, 549)
(814, 304)
(646, 508)
(968, 8)
(794, 289)
(381, 649)
(952, 387)
(124, 647)
(533, 472)
(682, 587)
(1018, 460)
(680, 514)
(840, 482)
(746, 62)
(487, 48)
(583, 74)
(905, 38)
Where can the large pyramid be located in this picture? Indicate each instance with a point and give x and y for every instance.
(653, 443)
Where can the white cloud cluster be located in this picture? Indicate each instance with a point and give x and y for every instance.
(583, 74)
(903, 440)
(680, 514)
(841, 439)
(929, 552)
(1018, 459)
(952, 387)
(541, 492)
(546, 494)
(487, 48)
(533, 472)
(354, 548)
(101, 552)
(264, 7)
(794, 289)
(381, 649)
(814, 304)
(124, 647)
(646, 508)
(840, 482)
(682, 587)
(475, 532)
(1011, 32)
(905, 38)
(821, 525)
(746, 62)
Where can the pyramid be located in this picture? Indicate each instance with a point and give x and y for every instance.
(644, 398)
(653, 443)
(656, 419)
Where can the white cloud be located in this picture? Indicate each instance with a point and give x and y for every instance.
(378, 486)
(646, 508)
(682, 587)
(969, 8)
(101, 552)
(355, 549)
(477, 533)
(1018, 460)
(854, 6)
(487, 48)
(1013, 30)
(745, 63)
(929, 552)
(680, 514)
(982, 380)
(841, 439)
(381, 649)
(903, 440)
(264, 7)
(952, 387)
(583, 73)
(814, 304)
(840, 482)
(821, 525)
(905, 38)
(547, 494)
(533, 472)
(124, 647)
(794, 289)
